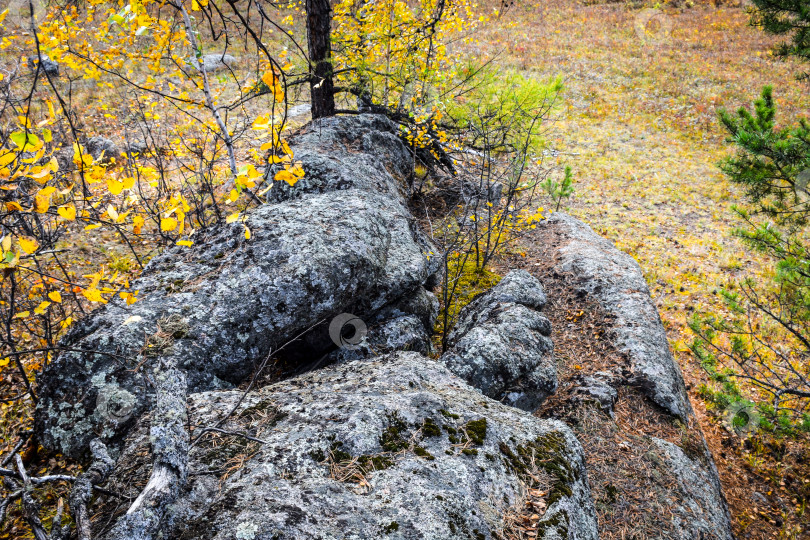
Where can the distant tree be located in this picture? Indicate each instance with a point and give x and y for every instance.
(781, 17)
(764, 339)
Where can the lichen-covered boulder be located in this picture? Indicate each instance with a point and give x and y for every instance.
(44, 63)
(211, 63)
(501, 343)
(394, 447)
(223, 305)
(102, 148)
(696, 504)
(614, 280)
(677, 474)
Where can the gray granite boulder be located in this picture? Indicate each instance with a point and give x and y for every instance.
(697, 506)
(501, 343)
(687, 483)
(45, 64)
(221, 306)
(395, 447)
(102, 148)
(614, 280)
(211, 63)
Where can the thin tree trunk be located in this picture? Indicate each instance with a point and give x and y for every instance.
(321, 85)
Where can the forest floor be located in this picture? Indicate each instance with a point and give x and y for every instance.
(640, 129)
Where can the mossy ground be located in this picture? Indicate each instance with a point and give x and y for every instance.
(640, 130)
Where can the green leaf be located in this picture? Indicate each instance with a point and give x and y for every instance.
(23, 140)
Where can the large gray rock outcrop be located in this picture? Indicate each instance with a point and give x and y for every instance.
(501, 343)
(686, 480)
(222, 306)
(394, 447)
(614, 280)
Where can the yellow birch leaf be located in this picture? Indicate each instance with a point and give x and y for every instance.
(93, 294)
(12, 205)
(287, 176)
(186, 243)
(114, 186)
(137, 224)
(233, 217)
(112, 212)
(56, 296)
(28, 245)
(42, 200)
(168, 224)
(40, 309)
(269, 78)
(68, 212)
(247, 233)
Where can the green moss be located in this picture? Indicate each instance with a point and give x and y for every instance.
(337, 454)
(470, 452)
(220, 455)
(612, 493)
(448, 414)
(558, 522)
(477, 430)
(394, 436)
(263, 412)
(547, 453)
(392, 527)
(421, 452)
(375, 463)
(430, 429)
(174, 325)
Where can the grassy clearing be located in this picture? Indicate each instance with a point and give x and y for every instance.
(640, 131)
